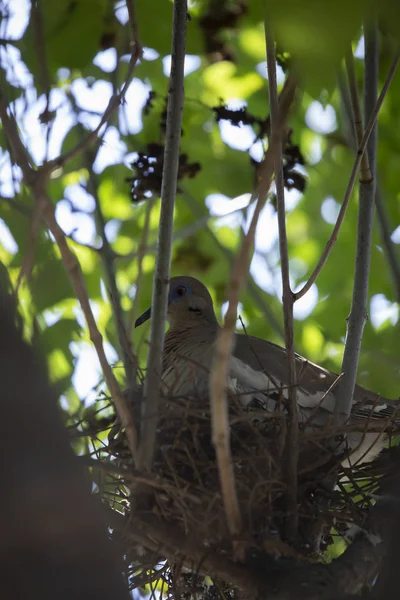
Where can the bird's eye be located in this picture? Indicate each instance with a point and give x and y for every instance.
(180, 290)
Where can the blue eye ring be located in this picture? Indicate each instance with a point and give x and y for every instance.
(180, 291)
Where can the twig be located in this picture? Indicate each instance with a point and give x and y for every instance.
(225, 340)
(365, 172)
(389, 246)
(383, 219)
(254, 290)
(353, 175)
(291, 444)
(358, 313)
(163, 260)
(37, 20)
(108, 259)
(36, 180)
(141, 252)
(72, 265)
(115, 100)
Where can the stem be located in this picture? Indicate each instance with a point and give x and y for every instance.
(358, 314)
(163, 260)
(365, 173)
(291, 445)
(332, 240)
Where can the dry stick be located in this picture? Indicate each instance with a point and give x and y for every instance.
(36, 181)
(115, 100)
(253, 289)
(353, 175)
(292, 434)
(163, 260)
(358, 313)
(224, 346)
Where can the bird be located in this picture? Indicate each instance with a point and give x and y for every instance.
(258, 370)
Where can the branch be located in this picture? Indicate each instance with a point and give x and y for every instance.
(358, 313)
(288, 579)
(357, 162)
(383, 219)
(73, 268)
(365, 172)
(37, 19)
(108, 259)
(163, 260)
(291, 444)
(254, 290)
(115, 101)
(141, 252)
(36, 181)
(225, 340)
(389, 246)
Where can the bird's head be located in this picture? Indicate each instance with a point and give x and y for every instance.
(188, 302)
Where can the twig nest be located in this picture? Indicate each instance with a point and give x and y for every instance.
(186, 491)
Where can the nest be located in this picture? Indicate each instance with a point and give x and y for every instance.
(181, 519)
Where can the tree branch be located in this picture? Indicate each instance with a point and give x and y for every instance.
(292, 434)
(357, 162)
(225, 339)
(254, 290)
(288, 579)
(115, 101)
(389, 246)
(358, 313)
(383, 219)
(365, 172)
(108, 259)
(141, 252)
(36, 181)
(163, 260)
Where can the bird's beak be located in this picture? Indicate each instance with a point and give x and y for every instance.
(143, 318)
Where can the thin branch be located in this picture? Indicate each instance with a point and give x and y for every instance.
(225, 341)
(365, 172)
(36, 180)
(292, 434)
(74, 270)
(141, 252)
(384, 222)
(108, 260)
(37, 19)
(389, 246)
(254, 290)
(289, 578)
(163, 260)
(357, 162)
(358, 313)
(115, 100)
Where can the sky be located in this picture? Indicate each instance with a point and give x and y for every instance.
(319, 119)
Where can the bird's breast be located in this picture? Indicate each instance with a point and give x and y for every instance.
(186, 366)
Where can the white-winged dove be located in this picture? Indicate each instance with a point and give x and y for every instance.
(258, 369)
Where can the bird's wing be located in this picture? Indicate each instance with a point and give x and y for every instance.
(313, 381)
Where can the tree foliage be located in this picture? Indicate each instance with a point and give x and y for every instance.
(57, 76)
